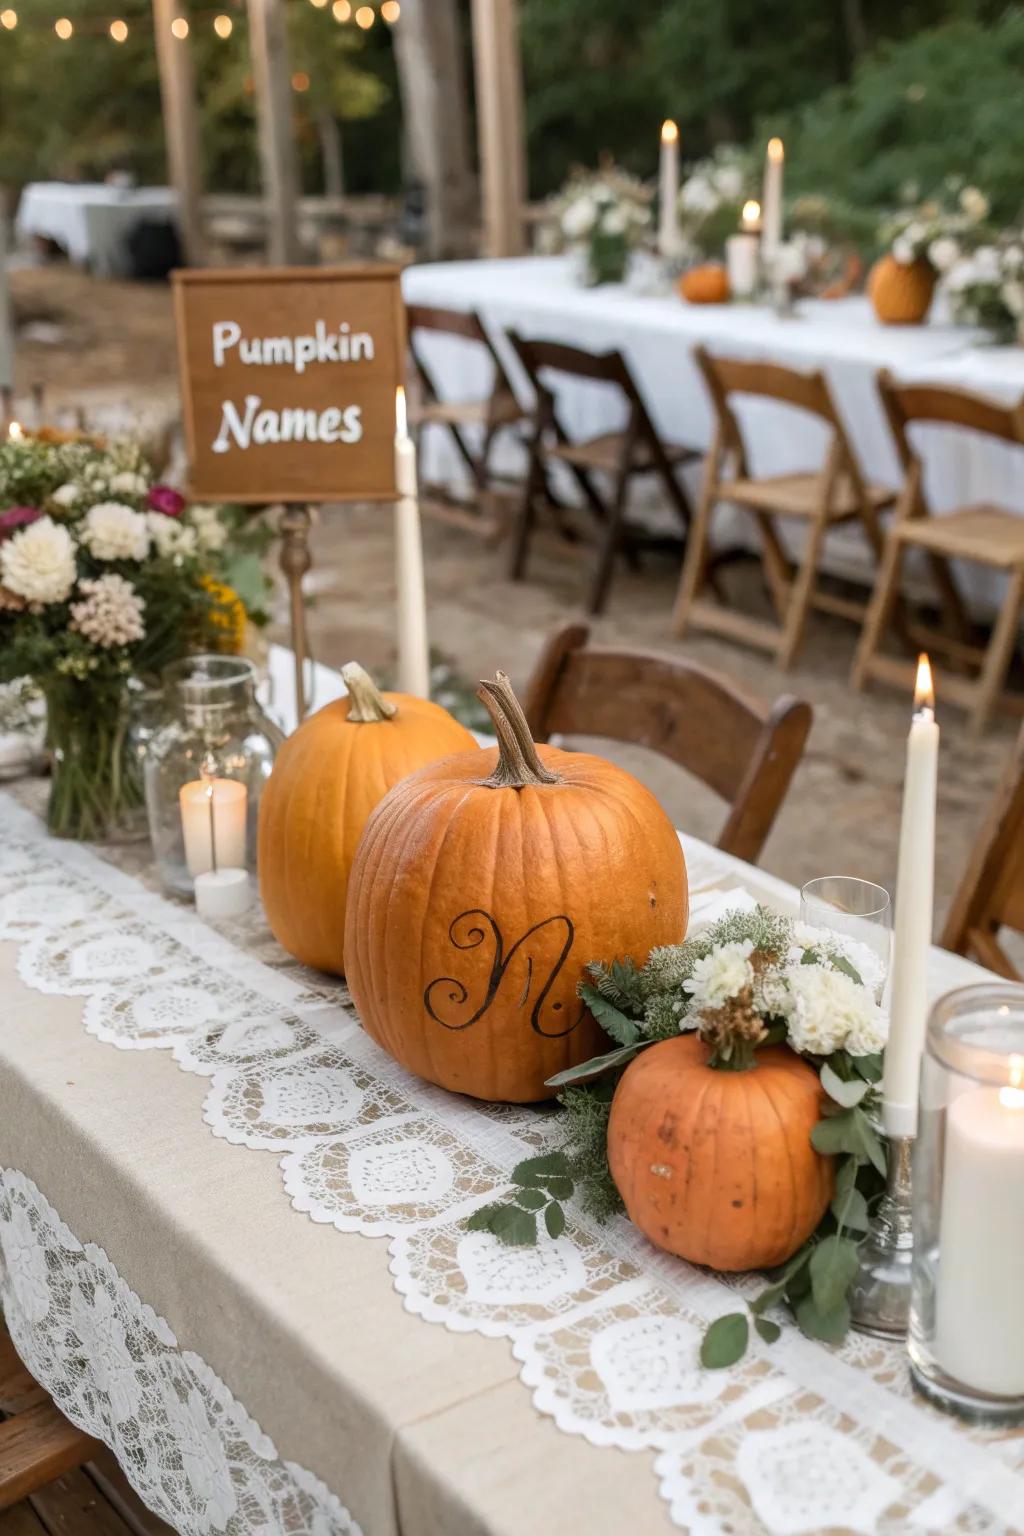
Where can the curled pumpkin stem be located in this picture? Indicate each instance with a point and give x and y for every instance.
(367, 704)
(518, 763)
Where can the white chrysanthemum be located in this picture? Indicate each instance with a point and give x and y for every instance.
(869, 1037)
(721, 975)
(579, 218)
(112, 531)
(827, 1007)
(614, 222)
(943, 252)
(771, 994)
(698, 195)
(210, 531)
(110, 613)
(38, 563)
(170, 536)
(66, 495)
(127, 483)
(869, 965)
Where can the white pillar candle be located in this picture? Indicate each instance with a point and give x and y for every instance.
(979, 1287)
(213, 822)
(915, 895)
(223, 892)
(771, 199)
(668, 190)
(413, 644)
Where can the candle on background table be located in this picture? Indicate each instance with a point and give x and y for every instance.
(741, 252)
(213, 813)
(668, 190)
(979, 1292)
(413, 644)
(915, 898)
(771, 199)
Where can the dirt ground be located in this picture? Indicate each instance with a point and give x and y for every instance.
(842, 813)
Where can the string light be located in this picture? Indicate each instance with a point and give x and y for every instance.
(222, 25)
(179, 26)
(9, 19)
(365, 17)
(119, 31)
(63, 29)
(341, 10)
(318, 3)
(300, 80)
(390, 11)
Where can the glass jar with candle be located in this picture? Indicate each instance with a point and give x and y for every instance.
(204, 772)
(967, 1306)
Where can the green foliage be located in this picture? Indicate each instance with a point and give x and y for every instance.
(725, 1341)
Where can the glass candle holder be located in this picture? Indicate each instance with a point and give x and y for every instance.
(966, 1337)
(205, 770)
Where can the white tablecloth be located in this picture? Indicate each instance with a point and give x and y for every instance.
(539, 297)
(90, 221)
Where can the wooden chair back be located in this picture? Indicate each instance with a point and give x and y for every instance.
(611, 368)
(908, 403)
(991, 894)
(726, 377)
(465, 324)
(744, 752)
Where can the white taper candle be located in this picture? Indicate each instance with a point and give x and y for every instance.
(413, 645)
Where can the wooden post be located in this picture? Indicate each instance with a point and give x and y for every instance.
(499, 114)
(181, 126)
(268, 41)
(295, 562)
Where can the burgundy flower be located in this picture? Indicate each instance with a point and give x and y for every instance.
(165, 499)
(17, 517)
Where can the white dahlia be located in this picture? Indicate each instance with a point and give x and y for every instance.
(110, 613)
(112, 531)
(38, 563)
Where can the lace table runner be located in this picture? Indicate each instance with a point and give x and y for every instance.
(798, 1438)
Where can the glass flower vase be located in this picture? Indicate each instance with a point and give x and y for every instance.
(96, 792)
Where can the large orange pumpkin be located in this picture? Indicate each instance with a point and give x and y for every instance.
(901, 292)
(716, 1165)
(708, 284)
(327, 778)
(483, 886)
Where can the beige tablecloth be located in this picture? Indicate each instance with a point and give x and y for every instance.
(417, 1430)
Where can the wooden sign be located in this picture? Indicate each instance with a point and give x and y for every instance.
(288, 381)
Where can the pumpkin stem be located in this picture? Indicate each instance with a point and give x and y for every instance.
(367, 704)
(733, 1032)
(518, 763)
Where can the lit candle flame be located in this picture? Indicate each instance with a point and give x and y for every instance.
(924, 687)
(776, 150)
(751, 213)
(401, 414)
(1013, 1096)
(15, 431)
(669, 131)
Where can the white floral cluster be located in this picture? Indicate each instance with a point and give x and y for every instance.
(811, 989)
(935, 231)
(725, 178)
(986, 286)
(110, 612)
(606, 202)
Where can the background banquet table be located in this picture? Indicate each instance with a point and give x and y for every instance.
(91, 220)
(423, 1431)
(541, 297)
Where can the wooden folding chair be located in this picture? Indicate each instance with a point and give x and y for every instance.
(483, 418)
(836, 493)
(37, 1443)
(986, 534)
(991, 894)
(618, 456)
(745, 752)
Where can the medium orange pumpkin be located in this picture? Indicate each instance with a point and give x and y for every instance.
(707, 284)
(327, 778)
(483, 886)
(716, 1165)
(901, 292)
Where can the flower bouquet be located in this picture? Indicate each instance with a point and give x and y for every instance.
(753, 1047)
(986, 287)
(105, 578)
(923, 241)
(604, 215)
(711, 199)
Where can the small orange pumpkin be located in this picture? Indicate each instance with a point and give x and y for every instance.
(708, 284)
(901, 292)
(327, 778)
(716, 1165)
(482, 887)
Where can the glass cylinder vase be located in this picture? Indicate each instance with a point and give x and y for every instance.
(205, 770)
(966, 1336)
(95, 787)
